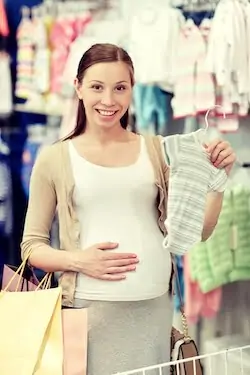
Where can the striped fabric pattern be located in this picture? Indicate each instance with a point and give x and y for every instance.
(191, 177)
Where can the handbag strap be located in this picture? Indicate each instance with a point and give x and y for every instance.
(174, 277)
(179, 294)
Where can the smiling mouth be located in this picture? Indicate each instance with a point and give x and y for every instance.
(106, 113)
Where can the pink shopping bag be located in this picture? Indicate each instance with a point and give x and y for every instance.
(74, 323)
(28, 281)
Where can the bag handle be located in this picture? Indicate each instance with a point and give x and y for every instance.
(44, 284)
(19, 269)
(178, 292)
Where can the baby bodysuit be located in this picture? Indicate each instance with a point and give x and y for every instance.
(192, 175)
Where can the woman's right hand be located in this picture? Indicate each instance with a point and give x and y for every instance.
(96, 262)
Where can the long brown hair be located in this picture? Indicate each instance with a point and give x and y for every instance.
(103, 52)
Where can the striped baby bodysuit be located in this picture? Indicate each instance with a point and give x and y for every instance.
(192, 175)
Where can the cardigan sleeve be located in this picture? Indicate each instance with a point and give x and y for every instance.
(41, 206)
(164, 166)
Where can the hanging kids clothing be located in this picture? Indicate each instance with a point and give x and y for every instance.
(191, 177)
(25, 56)
(152, 40)
(4, 27)
(152, 107)
(197, 303)
(193, 84)
(6, 104)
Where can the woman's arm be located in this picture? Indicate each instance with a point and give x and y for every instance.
(40, 214)
(212, 213)
(223, 157)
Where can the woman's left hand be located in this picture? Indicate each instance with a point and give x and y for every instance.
(221, 154)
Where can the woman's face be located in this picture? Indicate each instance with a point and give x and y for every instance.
(106, 92)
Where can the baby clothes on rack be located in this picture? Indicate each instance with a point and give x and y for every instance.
(211, 262)
(241, 232)
(61, 36)
(192, 175)
(152, 107)
(42, 55)
(25, 57)
(152, 40)
(197, 303)
(193, 84)
(6, 104)
(4, 27)
(225, 257)
(228, 53)
(64, 32)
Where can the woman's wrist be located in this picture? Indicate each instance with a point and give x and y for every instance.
(73, 260)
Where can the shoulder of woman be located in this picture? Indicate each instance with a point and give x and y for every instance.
(49, 156)
(157, 141)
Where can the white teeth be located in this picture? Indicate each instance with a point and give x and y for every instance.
(106, 113)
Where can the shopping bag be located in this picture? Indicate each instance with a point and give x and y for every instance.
(31, 340)
(74, 328)
(75, 339)
(28, 280)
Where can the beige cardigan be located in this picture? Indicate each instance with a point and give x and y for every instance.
(51, 189)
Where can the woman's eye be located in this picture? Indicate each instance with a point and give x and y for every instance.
(121, 88)
(97, 87)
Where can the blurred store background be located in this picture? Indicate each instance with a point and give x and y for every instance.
(189, 56)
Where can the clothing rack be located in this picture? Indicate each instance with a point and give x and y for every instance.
(200, 2)
(93, 4)
(53, 6)
(199, 5)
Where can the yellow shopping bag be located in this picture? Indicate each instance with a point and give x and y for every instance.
(31, 340)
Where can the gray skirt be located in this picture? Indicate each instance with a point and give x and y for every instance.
(125, 336)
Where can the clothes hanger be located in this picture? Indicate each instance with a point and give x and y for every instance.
(200, 135)
(208, 111)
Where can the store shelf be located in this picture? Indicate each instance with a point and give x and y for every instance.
(23, 108)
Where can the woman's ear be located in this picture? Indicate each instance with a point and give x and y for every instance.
(77, 88)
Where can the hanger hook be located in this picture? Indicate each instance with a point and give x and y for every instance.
(207, 113)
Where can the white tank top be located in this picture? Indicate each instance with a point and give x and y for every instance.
(119, 204)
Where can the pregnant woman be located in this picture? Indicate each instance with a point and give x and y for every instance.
(109, 187)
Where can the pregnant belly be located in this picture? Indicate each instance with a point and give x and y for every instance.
(149, 280)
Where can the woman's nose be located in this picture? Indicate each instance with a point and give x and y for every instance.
(107, 98)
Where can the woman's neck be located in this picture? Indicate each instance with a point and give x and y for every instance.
(102, 135)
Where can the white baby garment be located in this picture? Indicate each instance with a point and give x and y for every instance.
(192, 175)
